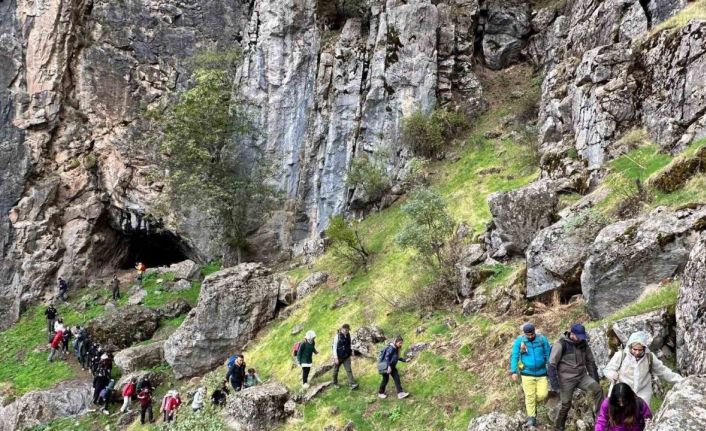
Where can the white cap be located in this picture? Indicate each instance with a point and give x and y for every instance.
(310, 335)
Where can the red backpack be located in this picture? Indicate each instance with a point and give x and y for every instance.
(295, 348)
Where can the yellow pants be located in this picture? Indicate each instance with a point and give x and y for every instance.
(536, 390)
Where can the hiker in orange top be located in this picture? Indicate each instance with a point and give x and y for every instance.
(141, 268)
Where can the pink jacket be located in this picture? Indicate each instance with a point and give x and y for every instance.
(603, 422)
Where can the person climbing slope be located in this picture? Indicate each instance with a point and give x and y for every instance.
(128, 392)
(528, 363)
(236, 373)
(623, 410)
(636, 365)
(342, 353)
(305, 355)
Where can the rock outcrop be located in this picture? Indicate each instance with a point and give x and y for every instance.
(34, 408)
(497, 422)
(234, 304)
(365, 338)
(260, 408)
(691, 319)
(632, 256)
(310, 283)
(184, 270)
(505, 31)
(684, 407)
(140, 357)
(518, 215)
(125, 327)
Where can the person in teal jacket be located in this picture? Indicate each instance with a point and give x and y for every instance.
(529, 359)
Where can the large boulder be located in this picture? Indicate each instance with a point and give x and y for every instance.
(234, 304)
(691, 318)
(260, 408)
(506, 30)
(184, 270)
(631, 256)
(34, 408)
(518, 215)
(139, 357)
(174, 308)
(497, 422)
(310, 283)
(126, 326)
(684, 407)
(556, 256)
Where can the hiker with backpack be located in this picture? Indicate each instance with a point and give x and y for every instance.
(145, 399)
(342, 354)
(197, 403)
(571, 366)
(50, 314)
(528, 363)
(128, 392)
(115, 287)
(105, 394)
(252, 378)
(236, 373)
(305, 356)
(636, 365)
(387, 366)
(623, 410)
(170, 405)
(63, 288)
(100, 381)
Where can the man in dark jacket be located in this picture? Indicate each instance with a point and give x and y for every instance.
(571, 366)
(115, 287)
(50, 314)
(342, 353)
(388, 359)
(218, 397)
(236, 373)
(63, 288)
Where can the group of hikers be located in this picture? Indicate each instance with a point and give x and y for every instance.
(569, 364)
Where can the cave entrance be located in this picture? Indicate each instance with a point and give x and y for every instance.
(154, 249)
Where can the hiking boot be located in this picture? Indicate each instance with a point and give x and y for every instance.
(354, 386)
(402, 395)
(532, 421)
(382, 396)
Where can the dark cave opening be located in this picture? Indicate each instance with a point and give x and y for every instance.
(154, 249)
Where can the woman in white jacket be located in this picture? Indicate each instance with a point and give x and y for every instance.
(635, 366)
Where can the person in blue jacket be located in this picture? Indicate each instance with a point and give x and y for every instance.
(387, 366)
(528, 362)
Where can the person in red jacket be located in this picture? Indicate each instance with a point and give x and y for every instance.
(55, 344)
(128, 392)
(170, 405)
(145, 399)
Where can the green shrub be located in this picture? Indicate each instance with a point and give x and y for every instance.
(369, 176)
(429, 134)
(346, 241)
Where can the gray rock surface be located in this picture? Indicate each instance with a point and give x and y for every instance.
(184, 270)
(556, 255)
(234, 304)
(174, 308)
(69, 398)
(691, 319)
(260, 408)
(518, 215)
(140, 357)
(505, 32)
(497, 422)
(684, 407)
(125, 327)
(631, 256)
(310, 283)
(365, 338)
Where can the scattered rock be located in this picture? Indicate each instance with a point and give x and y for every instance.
(184, 270)
(631, 256)
(497, 422)
(684, 407)
(364, 339)
(474, 305)
(310, 283)
(137, 297)
(415, 349)
(140, 357)
(110, 308)
(340, 302)
(299, 327)
(127, 418)
(321, 370)
(315, 390)
(691, 319)
(34, 408)
(128, 325)
(180, 285)
(518, 215)
(174, 308)
(260, 408)
(234, 304)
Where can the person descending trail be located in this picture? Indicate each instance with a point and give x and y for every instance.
(387, 366)
(66, 339)
(128, 392)
(571, 366)
(63, 288)
(145, 399)
(199, 396)
(55, 344)
(528, 363)
(170, 405)
(100, 381)
(342, 354)
(105, 395)
(236, 373)
(115, 287)
(636, 365)
(623, 410)
(50, 314)
(252, 378)
(305, 356)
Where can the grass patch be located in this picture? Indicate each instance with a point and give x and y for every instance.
(664, 296)
(693, 11)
